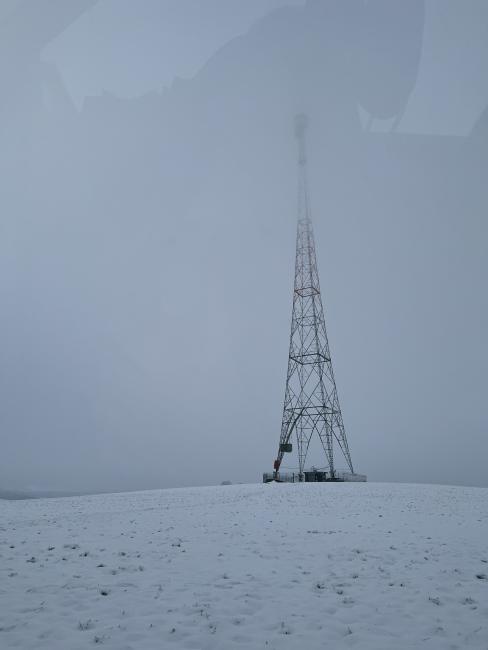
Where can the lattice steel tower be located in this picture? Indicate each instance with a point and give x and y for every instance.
(311, 401)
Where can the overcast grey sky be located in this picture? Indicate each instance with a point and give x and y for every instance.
(147, 235)
(136, 47)
(142, 46)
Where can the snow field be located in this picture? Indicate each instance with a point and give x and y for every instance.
(367, 566)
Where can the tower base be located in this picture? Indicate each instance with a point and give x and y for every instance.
(314, 476)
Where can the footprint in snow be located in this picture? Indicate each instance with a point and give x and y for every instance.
(85, 625)
(285, 629)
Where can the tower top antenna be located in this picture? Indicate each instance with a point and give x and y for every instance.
(301, 124)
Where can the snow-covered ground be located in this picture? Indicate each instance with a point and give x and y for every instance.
(366, 566)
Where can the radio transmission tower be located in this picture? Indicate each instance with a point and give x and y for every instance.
(311, 401)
